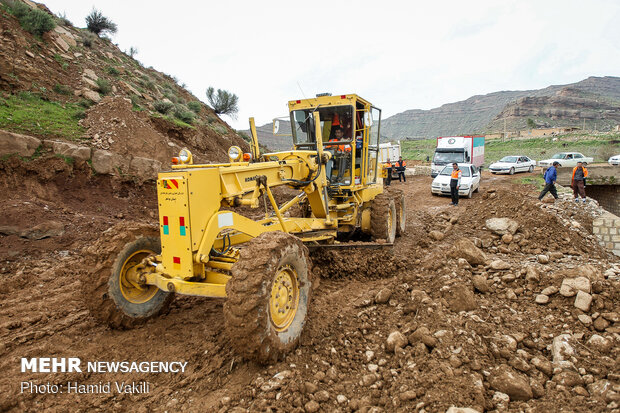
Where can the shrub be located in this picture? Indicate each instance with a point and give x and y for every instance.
(61, 61)
(62, 89)
(181, 113)
(224, 102)
(163, 106)
(133, 51)
(88, 39)
(85, 103)
(604, 152)
(63, 20)
(35, 21)
(113, 71)
(79, 114)
(194, 106)
(99, 24)
(103, 86)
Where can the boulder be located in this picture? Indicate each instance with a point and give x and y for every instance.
(570, 286)
(542, 299)
(106, 162)
(396, 340)
(583, 301)
(460, 297)
(144, 168)
(543, 365)
(499, 265)
(383, 296)
(561, 349)
(543, 259)
(552, 289)
(45, 229)
(600, 324)
(515, 385)
(480, 283)
(454, 409)
(91, 74)
(502, 226)
(436, 235)
(14, 143)
(79, 153)
(600, 343)
(465, 248)
(91, 95)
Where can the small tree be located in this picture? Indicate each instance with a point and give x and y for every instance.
(133, 51)
(224, 102)
(98, 23)
(530, 123)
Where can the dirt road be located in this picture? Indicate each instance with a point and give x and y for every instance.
(463, 348)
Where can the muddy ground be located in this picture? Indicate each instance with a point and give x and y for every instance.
(416, 327)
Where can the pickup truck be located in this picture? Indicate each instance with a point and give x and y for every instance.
(566, 159)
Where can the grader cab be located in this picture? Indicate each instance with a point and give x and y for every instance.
(207, 248)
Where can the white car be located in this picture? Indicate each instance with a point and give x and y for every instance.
(614, 160)
(470, 180)
(512, 164)
(566, 159)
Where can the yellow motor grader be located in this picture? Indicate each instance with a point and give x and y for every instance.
(207, 248)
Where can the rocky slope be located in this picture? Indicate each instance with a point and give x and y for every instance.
(596, 99)
(111, 97)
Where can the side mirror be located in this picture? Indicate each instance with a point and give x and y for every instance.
(276, 126)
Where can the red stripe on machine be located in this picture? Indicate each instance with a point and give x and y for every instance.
(176, 260)
(182, 221)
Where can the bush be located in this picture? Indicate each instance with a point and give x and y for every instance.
(98, 23)
(194, 106)
(135, 102)
(64, 21)
(113, 71)
(62, 89)
(133, 51)
(605, 152)
(163, 106)
(35, 21)
(224, 103)
(103, 86)
(85, 103)
(181, 113)
(88, 39)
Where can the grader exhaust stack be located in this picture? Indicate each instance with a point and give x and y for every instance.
(208, 249)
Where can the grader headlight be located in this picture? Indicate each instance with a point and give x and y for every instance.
(234, 153)
(185, 156)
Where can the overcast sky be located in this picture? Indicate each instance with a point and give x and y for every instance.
(400, 55)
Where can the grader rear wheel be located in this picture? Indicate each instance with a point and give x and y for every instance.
(383, 219)
(268, 297)
(135, 301)
(401, 210)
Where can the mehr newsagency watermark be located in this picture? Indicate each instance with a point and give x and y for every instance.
(76, 365)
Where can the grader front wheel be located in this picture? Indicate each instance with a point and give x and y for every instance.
(268, 296)
(136, 303)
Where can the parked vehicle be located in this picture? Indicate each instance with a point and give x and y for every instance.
(459, 149)
(512, 164)
(614, 160)
(470, 180)
(566, 159)
(390, 152)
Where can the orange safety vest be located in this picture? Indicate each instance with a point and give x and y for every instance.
(341, 148)
(401, 163)
(585, 173)
(456, 174)
(387, 165)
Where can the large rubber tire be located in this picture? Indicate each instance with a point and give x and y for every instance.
(401, 210)
(531, 169)
(512, 171)
(136, 305)
(470, 193)
(383, 218)
(254, 329)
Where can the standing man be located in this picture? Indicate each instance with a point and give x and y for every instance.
(551, 174)
(455, 183)
(388, 167)
(578, 181)
(400, 167)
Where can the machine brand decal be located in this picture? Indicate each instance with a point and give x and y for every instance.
(166, 230)
(251, 178)
(451, 141)
(171, 184)
(182, 225)
(225, 219)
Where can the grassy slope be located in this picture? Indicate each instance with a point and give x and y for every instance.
(28, 113)
(599, 147)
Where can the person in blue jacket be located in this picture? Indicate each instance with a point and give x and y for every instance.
(551, 174)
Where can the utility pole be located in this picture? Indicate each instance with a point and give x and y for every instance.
(505, 130)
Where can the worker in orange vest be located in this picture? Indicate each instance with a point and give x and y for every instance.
(578, 181)
(338, 136)
(455, 183)
(400, 167)
(388, 166)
